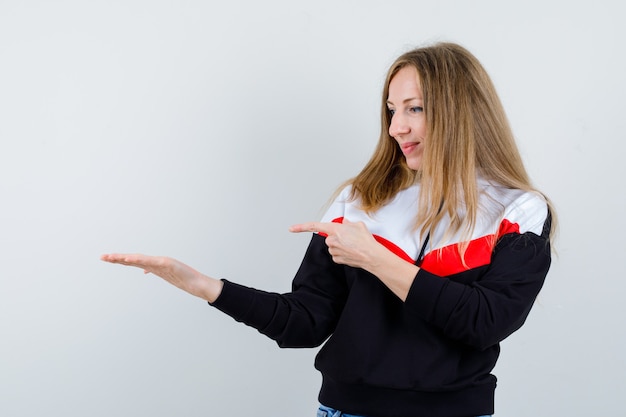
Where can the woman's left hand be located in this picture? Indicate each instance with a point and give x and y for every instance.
(352, 244)
(348, 243)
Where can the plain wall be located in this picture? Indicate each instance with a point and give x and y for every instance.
(202, 130)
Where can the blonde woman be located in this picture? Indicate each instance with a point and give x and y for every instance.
(423, 263)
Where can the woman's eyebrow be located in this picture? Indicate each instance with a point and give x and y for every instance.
(405, 100)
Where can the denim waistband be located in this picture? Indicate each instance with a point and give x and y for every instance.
(324, 411)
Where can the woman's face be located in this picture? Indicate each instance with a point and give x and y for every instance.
(408, 124)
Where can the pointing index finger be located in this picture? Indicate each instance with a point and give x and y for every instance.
(315, 227)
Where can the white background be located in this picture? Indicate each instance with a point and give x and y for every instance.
(202, 130)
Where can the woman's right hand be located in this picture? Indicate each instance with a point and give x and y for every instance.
(173, 271)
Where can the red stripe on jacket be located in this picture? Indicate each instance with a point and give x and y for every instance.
(447, 260)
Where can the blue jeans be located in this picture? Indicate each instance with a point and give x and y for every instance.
(324, 411)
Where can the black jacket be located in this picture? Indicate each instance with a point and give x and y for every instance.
(432, 354)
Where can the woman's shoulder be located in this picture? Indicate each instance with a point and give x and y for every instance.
(336, 206)
(528, 209)
(346, 202)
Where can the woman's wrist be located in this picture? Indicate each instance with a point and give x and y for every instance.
(396, 273)
(209, 289)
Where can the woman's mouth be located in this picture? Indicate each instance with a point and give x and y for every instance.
(408, 147)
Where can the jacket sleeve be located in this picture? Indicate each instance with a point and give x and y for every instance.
(307, 315)
(486, 311)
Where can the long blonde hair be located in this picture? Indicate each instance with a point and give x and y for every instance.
(468, 135)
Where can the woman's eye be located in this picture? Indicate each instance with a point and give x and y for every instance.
(416, 109)
(391, 111)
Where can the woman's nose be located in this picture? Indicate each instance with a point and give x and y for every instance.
(398, 126)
